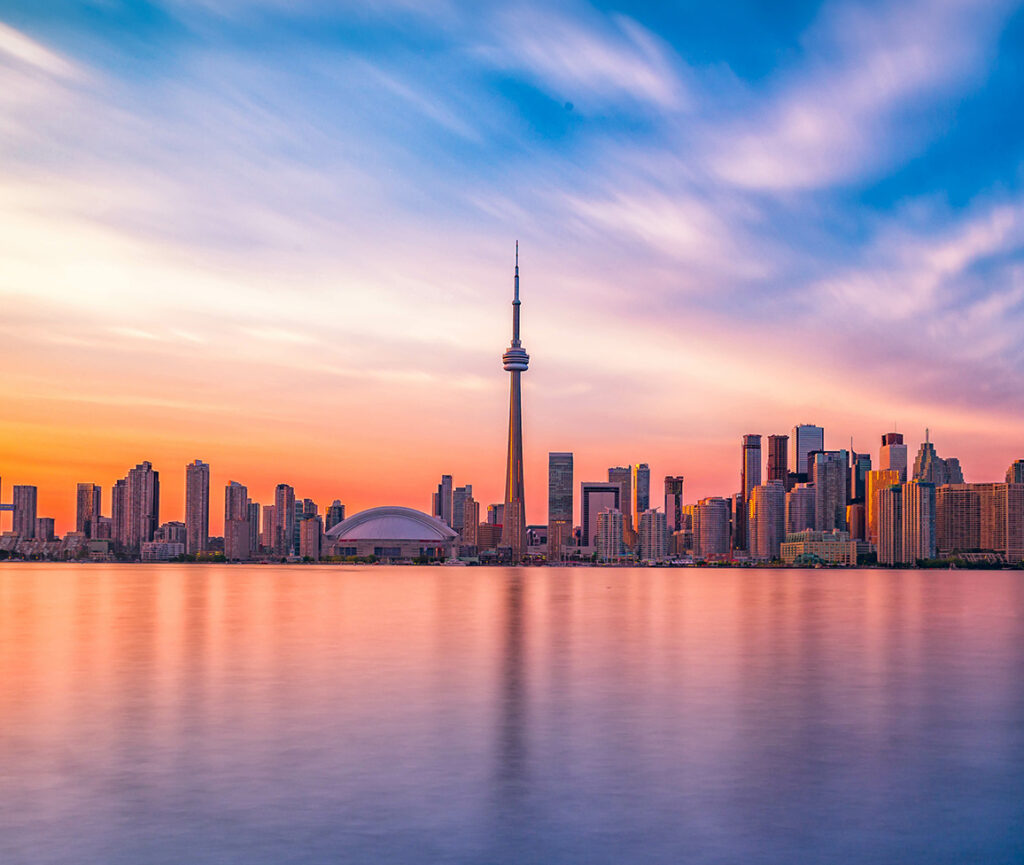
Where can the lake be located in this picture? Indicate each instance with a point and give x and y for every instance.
(294, 714)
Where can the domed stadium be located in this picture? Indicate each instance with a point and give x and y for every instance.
(392, 533)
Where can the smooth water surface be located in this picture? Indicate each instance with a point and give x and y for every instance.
(200, 714)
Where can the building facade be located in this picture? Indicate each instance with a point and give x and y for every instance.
(197, 507)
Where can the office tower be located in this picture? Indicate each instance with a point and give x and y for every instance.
(856, 519)
(800, 508)
(88, 508)
(254, 526)
(711, 527)
(470, 521)
(103, 529)
(766, 519)
(623, 475)
(516, 360)
(284, 520)
(829, 472)
(918, 521)
(335, 514)
(778, 460)
(958, 518)
(137, 505)
(44, 528)
(807, 438)
(443, 500)
(311, 530)
(237, 533)
(875, 481)
(459, 497)
(268, 535)
(197, 507)
(892, 456)
(24, 500)
(653, 536)
(890, 525)
(929, 467)
(1015, 473)
(681, 540)
(304, 508)
(674, 502)
(117, 513)
(597, 496)
(560, 504)
(609, 534)
(860, 465)
(750, 477)
(641, 483)
(495, 514)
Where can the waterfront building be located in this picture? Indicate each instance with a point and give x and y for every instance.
(623, 476)
(496, 515)
(918, 521)
(237, 531)
(930, 468)
(653, 536)
(443, 500)
(24, 519)
(674, 502)
(516, 361)
(267, 535)
(987, 518)
(1015, 473)
(459, 497)
(254, 527)
(172, 532)
(596, 496)
(139, 507)
(800, 508)
(197, 507)
(766, 519)
(829, 472)
(641, 490)
(892, 456)
(284, 520)
(890, 525)
(160, 551)
(44, 529)
(560, 503)
(117, 521)
(856, 520)
(778, 460)
(874, 481)
(87, 508)
(750, 477)
(609, 534)
(311, 530)
(488, 536)
(711, 537)
(393, 534)
(806, 438)
(335, 514)
(860, 465)
(835, 547)
(470, 522)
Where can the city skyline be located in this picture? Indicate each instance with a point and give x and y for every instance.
(290, 262)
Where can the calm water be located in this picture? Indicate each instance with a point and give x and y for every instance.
(177, 714)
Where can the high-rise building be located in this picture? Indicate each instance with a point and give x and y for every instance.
(596, 496)
(44, 528)
(197, 507)
(335, 514)
(918, 521)
(674, 502)
(609, 534)
(930, 468)
(874, 482)
(24, 500)
(890, 525)
(767, 519)
(1015, 473)
(87, 510)
(443, 500)
(237, 532)
(311, 531)
(856, 521)
(516, 361)
(807, 438)
(980, 517)
(623, 476)
(284, 520)
(470, 522)
(269, 534)
(560, 503)
(750, 477)
(459, 496)
(140, 506)
(172, 532)
(800, 509)
(304, 508)
(829, 472)
(778, 460)
(892, 456)
(641, 484)
(711, 527)
(860, 465)
(117, 512)
(652, 536)
(254, 527)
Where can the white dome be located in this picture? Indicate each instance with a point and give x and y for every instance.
(391, 523)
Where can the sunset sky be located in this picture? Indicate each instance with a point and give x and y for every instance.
(278, 236)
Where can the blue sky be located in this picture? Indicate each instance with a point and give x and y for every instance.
(732, 219)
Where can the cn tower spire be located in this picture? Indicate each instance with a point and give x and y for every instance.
(516, 361)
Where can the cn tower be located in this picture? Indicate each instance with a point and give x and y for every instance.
(516, 360)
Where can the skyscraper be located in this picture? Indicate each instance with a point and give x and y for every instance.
(596, 496)
(609, 534)
(829, 472)
(470, 521)
(197, 507)
(674, 502)
(890, 525)
(807, 438)
(767, 519)
(800, 508)
(931, 468)
(652, 529)
(860, 465)
(875, 482)
(918, 521)
(1015, 473)
(24, 499)
(140, 512)
(641, 490)
(459, 496)
(237, 534)
(623, 476)
(560, 504)
(750, 477)
(892, 456)
(87, 511)
(443, 500)
(284, 520)
(335, 514)
(778, 459)
(711, 527)
(516, 360)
